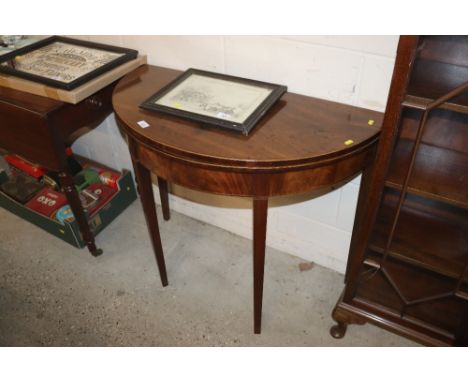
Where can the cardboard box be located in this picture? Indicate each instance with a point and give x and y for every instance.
(69, 231)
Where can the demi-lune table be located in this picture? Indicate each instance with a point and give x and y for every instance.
(301, 144)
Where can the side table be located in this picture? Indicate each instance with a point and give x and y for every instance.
(301, 144)
(39, 129)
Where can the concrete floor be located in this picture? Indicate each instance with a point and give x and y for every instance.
(52, 294)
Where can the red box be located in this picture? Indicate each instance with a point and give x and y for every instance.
(103, 192)
(46, 202)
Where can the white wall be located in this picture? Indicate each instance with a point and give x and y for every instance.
(355, 70)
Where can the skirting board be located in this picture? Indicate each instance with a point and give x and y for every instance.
(76, 95)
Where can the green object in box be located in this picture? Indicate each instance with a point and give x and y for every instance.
(69, 231)
(85, 178)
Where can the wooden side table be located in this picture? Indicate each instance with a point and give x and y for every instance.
(39, 129)
(301, 144)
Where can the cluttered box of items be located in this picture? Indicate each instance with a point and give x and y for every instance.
(35, 194)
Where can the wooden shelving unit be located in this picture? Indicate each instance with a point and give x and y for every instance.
(439, 173)
(444, 250)
(422, 103)
(408, 264)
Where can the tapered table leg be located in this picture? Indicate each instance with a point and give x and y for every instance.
(260, 210)
(163, 193)
(145, 185)
(68, 186)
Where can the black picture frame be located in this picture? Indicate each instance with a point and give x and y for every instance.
(243, 127)
(7, 67)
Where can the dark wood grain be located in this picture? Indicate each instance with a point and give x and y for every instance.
(446, 49)
(239, 181)
(301, 144)
(145, 187)
(405, 57)
(425, 84)
(440, 174)
(407, 270)
(73, 198)
(260, 210)
(164, 196)
(298, 129)
(33, 103)
(444, 129)
(39, 129)
(444, 250)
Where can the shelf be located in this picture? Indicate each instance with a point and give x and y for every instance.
(436, 313)
(405, 276)
(431, 236)
(444, 128)
(439, 173)
(421, 103)
(432, 80)
(436, 282)
(418, 286)
(446, 49)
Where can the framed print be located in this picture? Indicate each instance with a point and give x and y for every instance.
(216, 99)
(62, 62)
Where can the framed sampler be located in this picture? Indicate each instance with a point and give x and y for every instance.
(62, 62)
(215, 99)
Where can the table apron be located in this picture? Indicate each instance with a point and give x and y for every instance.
(231, 181)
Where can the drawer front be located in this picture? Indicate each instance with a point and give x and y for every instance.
(26, 133)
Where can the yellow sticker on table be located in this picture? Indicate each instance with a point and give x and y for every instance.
(177, 105)
(370, 122)
(349, 142)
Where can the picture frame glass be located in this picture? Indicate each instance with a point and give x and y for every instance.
(63, 61)
(215, 97)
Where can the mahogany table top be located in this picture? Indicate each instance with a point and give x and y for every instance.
(298, 130)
